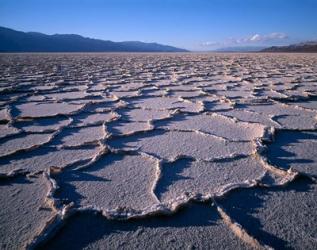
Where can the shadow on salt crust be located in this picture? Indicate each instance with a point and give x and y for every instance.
(295, 149)
(280, 217)
(195, 226)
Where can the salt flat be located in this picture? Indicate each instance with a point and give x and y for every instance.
(148, 151)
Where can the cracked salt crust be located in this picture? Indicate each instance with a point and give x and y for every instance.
(22, 216)
(138, 136)
(113, 182)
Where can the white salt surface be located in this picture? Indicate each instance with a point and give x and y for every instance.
(82, 136)
(218, 125)
(23, 212)
(23, 142)
(6, 130)
(113, 182)
(119, 143)
(46, 109)
(170, 145)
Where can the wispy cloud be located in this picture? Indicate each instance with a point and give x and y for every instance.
(270, 37)
(210, 44)
(252, 39)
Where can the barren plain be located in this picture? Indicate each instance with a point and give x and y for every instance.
(158, 151)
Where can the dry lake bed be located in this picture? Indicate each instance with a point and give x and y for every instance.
(158, 151)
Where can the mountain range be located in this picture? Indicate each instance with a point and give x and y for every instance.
(18, 41)
(305, 47)
(310, 46)
(240, 49)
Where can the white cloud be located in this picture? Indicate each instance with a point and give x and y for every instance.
(252, 39)
(255, 38)
(263, 38)
(210, 44)
(277, 35)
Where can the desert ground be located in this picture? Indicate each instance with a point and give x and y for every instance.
(158, 151)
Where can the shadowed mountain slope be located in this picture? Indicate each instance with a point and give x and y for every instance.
(17, 41)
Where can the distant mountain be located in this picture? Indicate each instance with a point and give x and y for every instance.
(310, 46)
(17, 41)
(240, 49)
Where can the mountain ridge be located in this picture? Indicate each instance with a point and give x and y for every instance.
(240, 49)
(309, 46)
(18, 41)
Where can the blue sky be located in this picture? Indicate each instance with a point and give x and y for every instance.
(191, 24)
